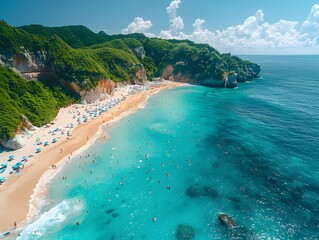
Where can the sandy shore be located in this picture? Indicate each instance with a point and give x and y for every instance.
(15, 193)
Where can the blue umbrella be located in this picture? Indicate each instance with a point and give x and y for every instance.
(18, 164)
(4, 164)
(11, 157)
(46, 143)
(2, 179)
(38, 150)
(54, 140)
(24, 157)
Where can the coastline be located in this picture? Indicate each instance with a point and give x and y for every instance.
(18, 191)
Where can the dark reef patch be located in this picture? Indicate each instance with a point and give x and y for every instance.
(185, 232)
(110, 211)
(196, 191)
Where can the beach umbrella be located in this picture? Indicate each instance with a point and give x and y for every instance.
(38, 150)
(54, 140)
(11, 157)
(18, 164)
(4, 164)
(46, 143)
(2, 179)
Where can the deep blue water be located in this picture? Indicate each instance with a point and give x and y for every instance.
(251, 152)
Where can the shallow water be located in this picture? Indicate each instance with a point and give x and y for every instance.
(192, 152)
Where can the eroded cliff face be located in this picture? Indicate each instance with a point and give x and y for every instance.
(33, 66)
(168, 73)
(104, 89)
(19, 141)
(229, 81)
(139, 52)
(29, 65)
(141, 75)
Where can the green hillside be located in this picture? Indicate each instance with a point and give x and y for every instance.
(77, 55)
(12, 40)
(85, 66)
(75, 36)
(32, 99)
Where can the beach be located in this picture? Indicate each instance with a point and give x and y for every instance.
(19, 187)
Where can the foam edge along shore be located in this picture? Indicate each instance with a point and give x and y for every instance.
(40, 190)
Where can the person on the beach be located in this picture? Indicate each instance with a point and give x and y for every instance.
(15, 225)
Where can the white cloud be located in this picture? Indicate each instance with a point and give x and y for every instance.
(176, 22)
(254, 33)
(198, 24)
(310, 28)
(139, 25)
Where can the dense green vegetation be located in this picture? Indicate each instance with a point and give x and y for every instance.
(75, 36)
(85, 66)
(199, 61)
(81, 56)
(125, 44)
(32, 99)
(75, 54)
(14, 40)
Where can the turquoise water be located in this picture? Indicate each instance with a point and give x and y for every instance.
(192, 152)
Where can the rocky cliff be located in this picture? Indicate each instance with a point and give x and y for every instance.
(229, 80)
(19, 140)
(104, 89)
(72, 62)
(28, 64)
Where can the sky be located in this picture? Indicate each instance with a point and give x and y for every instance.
(236, 26)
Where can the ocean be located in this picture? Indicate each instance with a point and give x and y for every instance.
(193, 152)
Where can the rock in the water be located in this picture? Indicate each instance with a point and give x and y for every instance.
(196, 191)
(110, 211)
(185, 232)
(115, 215)
(210, 192)
(193, 191)
(228, 220)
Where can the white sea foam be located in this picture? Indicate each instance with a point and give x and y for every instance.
(38, 197)
(55, 218)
